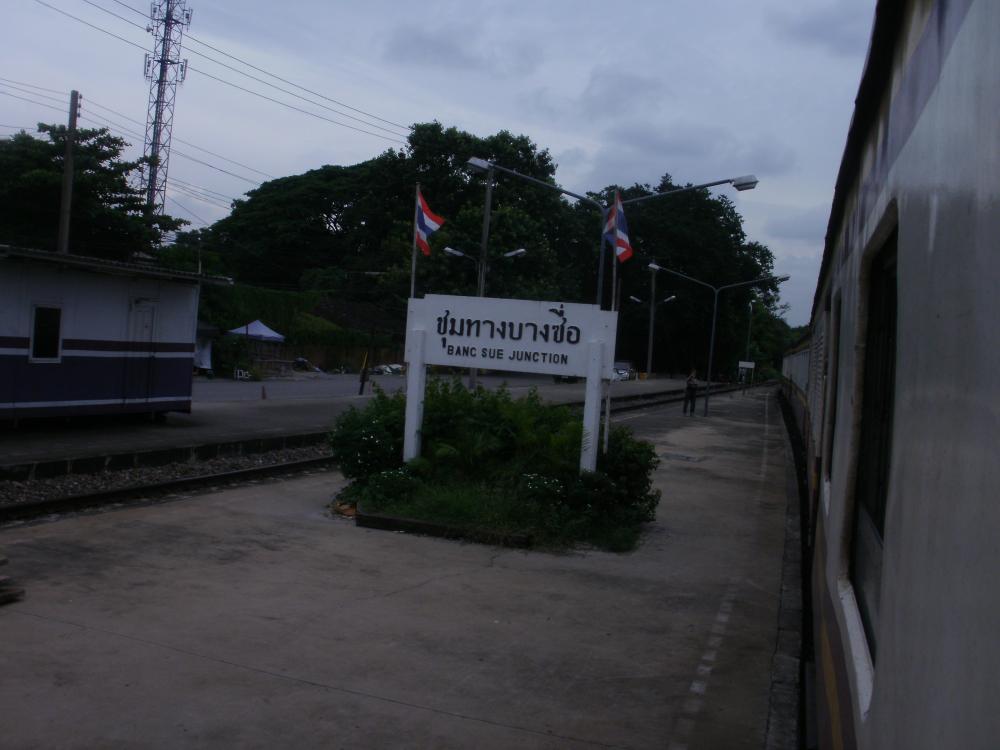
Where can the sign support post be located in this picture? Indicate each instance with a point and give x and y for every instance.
(416, 382)
(551, 338)
(592, 409)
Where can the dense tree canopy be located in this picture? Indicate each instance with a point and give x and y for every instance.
(346, 233)
(107, 218)
(341, 238)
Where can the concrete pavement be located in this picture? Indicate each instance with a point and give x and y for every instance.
(251, 618)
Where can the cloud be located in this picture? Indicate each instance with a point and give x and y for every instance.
(840, 27)
(439, 47)
(799, 290)
(643, 153)
(800, 224)
(459, 48)
(608, 87)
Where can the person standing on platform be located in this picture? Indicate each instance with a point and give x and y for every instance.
(690, 392)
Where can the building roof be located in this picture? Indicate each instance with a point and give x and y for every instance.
(112, 267)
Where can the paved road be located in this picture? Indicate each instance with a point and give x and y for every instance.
(322, 385)
(250, 618)
(228, 411)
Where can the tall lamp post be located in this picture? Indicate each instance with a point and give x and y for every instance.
(715, 309)
(481, 265)
(746, 182)
(652, 320)
(481, 268)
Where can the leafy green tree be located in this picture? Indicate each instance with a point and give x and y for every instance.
(108, 212)
(345, 234)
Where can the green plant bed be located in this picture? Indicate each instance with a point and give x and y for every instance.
(497, 466)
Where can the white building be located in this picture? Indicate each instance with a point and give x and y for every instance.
(84, 335)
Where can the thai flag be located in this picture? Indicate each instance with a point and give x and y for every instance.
(616, 231)
(427, 223)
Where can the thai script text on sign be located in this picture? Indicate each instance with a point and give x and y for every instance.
(516, 335)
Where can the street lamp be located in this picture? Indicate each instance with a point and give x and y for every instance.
(652, 319)
(715, 307)
(484, 165)
(745, 182)
(480, 270)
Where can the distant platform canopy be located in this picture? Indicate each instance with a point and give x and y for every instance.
(258, 332)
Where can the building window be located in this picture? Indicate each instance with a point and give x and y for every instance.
(45, 332)
(875, 442)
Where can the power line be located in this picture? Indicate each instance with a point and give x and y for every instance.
(292, 106)
(126, 131)
(112, 13)
(112, 125)
(236, 86)
(186, 210)
(90, 102)
(208, 191)
(250, 65)
(186, 143)
(204, 198)
(96, 28)
(290, 93)
(217, 169)
(303, 88)
(35, 93)
(119, 128)
(32, 101)
(34, 86)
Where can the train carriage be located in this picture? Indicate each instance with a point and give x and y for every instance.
(897, 393)
(84, 335)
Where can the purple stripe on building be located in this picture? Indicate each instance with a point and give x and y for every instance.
(13, 342)
(104, 345)
(94, 379)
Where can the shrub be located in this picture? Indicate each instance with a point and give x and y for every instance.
(368, 441)
(497, 463)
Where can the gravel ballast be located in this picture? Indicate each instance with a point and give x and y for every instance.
(36, 490)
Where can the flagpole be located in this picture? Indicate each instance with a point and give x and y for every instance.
(613, 241)
(413, 260)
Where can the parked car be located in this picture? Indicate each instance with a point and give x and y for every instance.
(388, 370)
(623, 370)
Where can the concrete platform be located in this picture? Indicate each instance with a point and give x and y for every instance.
(250, 618)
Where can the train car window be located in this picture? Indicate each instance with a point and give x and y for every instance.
(875, 443)
(45, 333)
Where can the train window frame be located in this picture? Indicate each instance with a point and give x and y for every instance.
(45, 346)
(873, 445)
(834, 323)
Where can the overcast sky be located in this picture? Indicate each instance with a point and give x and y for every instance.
(619, 93)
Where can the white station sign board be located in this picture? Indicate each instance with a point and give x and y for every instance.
(747, 365)
(552, 338)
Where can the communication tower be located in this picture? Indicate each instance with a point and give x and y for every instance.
(164, 70)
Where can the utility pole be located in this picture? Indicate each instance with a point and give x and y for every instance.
(164, 70)
(66, 202)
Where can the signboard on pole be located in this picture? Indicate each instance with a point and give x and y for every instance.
(553, 338)
(746, 365)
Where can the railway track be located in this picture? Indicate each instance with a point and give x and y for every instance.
(139, 493)
(152, 491)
